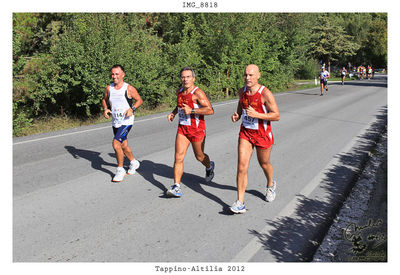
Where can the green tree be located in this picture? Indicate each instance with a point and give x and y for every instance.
(376, 47)
(330, 41)
(369, 30)
(61, 61)
(91, 44)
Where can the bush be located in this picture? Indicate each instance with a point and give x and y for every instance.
(308, 70)
(21, 121)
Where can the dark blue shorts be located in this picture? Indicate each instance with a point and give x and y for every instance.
(121, 133)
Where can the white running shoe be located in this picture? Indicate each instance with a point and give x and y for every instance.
(270, 195)
(238, 207)
(133, 166)
(119, 175)
(175, 191)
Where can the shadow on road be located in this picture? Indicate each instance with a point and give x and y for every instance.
(148, 169)
(296, 238)
(93, 157)
(305, 93)
(365, 83)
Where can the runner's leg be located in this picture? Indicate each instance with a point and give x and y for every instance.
(245, 149)
(263, 156)
(181, 145)
(119, 153)
(127, 150)
(198, 149)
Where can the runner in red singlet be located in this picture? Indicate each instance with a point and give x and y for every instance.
(257, 107)
(190, 125)
(192, 105)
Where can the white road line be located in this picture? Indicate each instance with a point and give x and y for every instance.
(255, 244)
(101, 128)
(105, 127)
(80, 132)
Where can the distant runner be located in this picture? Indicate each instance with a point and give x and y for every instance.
(364, 72)
(360, 72)
(369, 71)
(120, 95)
(192, 105)
(343, 73)
(323, 76)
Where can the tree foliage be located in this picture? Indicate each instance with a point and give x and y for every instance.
(330, 41)
(61, 61)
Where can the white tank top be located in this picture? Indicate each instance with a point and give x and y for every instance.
(119, 104)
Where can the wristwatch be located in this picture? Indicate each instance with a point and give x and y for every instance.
(193, 111)
(133, 108)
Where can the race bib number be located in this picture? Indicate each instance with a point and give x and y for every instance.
(118, 116)
(184, 119)
(249, 122)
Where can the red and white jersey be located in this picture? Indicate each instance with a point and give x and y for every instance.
(262, 127)
(192, 120)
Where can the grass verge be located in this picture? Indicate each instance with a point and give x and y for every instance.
(51, 124)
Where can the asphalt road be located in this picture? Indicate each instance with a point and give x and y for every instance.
(65, 207)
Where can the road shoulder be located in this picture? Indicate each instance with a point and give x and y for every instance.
(359, 232)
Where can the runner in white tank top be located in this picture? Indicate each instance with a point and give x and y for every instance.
(120, 95)
(119, 102)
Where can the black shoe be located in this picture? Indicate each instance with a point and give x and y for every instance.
(210, 172)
